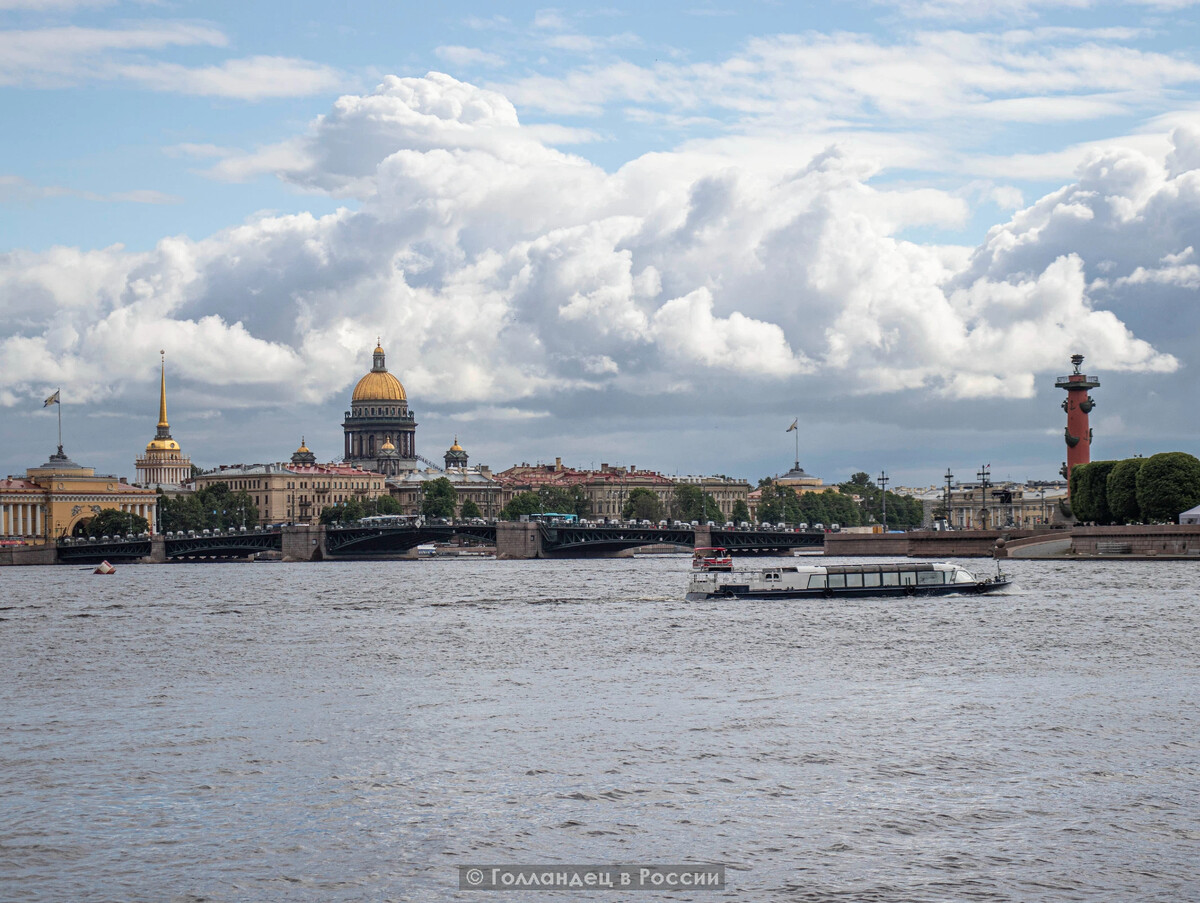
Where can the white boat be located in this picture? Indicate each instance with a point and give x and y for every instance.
(903, 578)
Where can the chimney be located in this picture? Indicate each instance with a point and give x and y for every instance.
(558, 464)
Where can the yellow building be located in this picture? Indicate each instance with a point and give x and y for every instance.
(295, 492)
(60, 497)
(164, 463)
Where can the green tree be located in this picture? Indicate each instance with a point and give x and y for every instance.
(384, 505)
(565, 500)
(1089, 491)
(689, 502)
(346, 512)
(523, 503)
(741, 512)
(213, 507)
(642, 504)
(440, 498)
(111, 522)
(1167, 485)
(470, 509)
(1121, 490)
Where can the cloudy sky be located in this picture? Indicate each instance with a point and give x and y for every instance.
(647, 234)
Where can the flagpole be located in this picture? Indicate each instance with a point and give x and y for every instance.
(58, 392)
(797, 443)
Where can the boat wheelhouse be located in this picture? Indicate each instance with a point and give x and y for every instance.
(856, 580)
(712, 559)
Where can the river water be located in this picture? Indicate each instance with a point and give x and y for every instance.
(358, 731)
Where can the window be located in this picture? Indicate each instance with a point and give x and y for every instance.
(854, 580)
(870, 580)
(816, 581)
(837, 581)
(931, 578)
(890, 579)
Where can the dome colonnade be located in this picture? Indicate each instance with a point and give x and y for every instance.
(380, 431)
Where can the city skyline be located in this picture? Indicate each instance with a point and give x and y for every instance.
(635, 237)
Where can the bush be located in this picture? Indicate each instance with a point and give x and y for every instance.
(1089, 491)
(1121, 490)
(1167, 485)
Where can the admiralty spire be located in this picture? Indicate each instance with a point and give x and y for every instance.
(164, 463)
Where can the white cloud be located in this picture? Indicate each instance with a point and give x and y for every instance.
(457, 55)
(61, 56)
(504, 274)
(255, 78)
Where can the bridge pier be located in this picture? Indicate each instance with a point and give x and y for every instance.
(516, 541)
(158, 550)
(301, 542)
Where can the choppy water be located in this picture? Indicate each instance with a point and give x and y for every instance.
(358, 731)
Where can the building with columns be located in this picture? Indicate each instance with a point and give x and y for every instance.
(295, 492)
(380, 431)
(475, 484)
(164, 464)
(59, 497)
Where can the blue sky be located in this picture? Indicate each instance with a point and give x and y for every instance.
(896, 220)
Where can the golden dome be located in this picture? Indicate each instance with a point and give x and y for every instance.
(303, 449)
(387, 445)
(379, 385)
(456, 446)
(162, 445)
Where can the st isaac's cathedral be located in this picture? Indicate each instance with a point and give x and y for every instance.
(380, 430)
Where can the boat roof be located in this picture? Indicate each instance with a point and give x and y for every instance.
(711, 549)
(902, 566)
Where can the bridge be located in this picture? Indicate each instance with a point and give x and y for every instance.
(356, 541)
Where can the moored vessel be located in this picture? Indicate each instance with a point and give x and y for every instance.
(902, 578)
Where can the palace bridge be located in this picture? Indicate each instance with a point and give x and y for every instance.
(360, 541)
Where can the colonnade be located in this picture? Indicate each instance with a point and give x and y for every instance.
(23, 519)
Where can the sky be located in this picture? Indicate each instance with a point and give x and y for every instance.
(640, 234)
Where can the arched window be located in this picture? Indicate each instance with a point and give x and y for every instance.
(371, 445)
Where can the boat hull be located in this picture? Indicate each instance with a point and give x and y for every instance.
(736, 591)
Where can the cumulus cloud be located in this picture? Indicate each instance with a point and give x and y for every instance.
(503, 273)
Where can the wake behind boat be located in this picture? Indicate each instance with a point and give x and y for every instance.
(854, 580)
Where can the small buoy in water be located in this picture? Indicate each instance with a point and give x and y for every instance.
(104, 568)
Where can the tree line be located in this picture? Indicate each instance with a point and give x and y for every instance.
(1136, 490)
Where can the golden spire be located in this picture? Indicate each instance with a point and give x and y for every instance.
(162, 393)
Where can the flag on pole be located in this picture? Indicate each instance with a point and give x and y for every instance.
(788, 430)
(53, 399)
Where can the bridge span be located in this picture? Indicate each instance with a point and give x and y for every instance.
(358, 541)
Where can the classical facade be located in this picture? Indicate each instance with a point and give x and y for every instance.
(60, 497)
(475, 484)
(378, 418)
(296, 492)
(606, 489)
(725, 491)
(993, 506)
(164, 464)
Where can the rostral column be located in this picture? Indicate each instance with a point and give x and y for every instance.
(1078, 404)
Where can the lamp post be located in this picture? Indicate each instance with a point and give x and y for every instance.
(949, 521)
(883, 481)
(983, 475)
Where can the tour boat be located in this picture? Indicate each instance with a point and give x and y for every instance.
(853, 580)
(712, 559)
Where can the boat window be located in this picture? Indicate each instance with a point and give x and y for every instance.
(890, 578)
(908, 579)
(870, 580)
(854, 580)
(961, 576)
(771, 575)
(929, 578)
(816, 581)
(837, 581)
